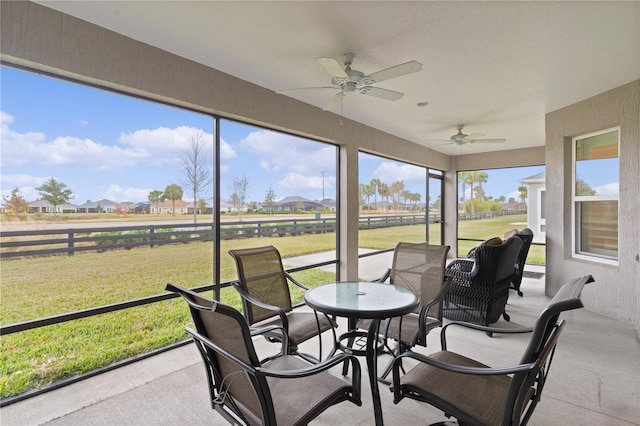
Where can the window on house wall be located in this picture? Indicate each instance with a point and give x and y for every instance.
(397, 201)
(595, 195)
(542, 224)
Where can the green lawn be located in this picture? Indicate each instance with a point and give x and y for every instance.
(45, 286)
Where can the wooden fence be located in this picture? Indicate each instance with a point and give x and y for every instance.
(69, 240)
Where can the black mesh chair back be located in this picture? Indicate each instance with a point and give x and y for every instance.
(264, 286)
(477, 394)
(526, 236)
(262, 276)
(287, 390)
(418, 267)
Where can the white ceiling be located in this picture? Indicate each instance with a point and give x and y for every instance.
(496, 67)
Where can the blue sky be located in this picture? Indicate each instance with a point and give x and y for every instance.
(106, 145)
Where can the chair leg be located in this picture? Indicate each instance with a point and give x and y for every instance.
(506, 316)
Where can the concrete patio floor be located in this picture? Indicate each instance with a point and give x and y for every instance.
(594, 380)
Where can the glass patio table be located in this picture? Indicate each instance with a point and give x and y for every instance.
(364, 300)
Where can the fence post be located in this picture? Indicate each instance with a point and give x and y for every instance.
(152, 231)
(70, 243)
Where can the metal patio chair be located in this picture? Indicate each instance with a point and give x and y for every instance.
(287, 390)
(262, 283)
(476, 394)
(418, 267)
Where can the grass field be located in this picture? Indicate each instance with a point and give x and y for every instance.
(40, 287)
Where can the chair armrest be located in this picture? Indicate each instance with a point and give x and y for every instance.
(464, 269)
(268, 329)
(296, 282)
(246, 296)
(443, 337)
(424, 311)
(455, 368)
(318, 368)
(384, 277)
(313, 368)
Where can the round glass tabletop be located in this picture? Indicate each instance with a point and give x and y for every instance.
(361, 299)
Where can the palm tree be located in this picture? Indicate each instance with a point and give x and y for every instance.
(383, 190)
(481, 177)
(462, 178)
(366, 191)
(469, 180)
(375, 186)
(155, 197)
(173, 192)
(523, 194)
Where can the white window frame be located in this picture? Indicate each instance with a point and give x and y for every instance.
(576, 199)
(542, 221)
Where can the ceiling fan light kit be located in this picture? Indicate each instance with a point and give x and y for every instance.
(347, 80)
(463, 140)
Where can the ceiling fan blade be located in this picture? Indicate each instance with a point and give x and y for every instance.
(334, 102)
(396, 71)
(333, 67)
(488, 140)
(299, 89)
(439, 140)
(389, 95)
(474, 136)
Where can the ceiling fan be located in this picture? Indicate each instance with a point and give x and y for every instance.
(348, 80)
(463, 140)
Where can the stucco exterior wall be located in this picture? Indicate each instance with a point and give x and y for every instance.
(617, 288)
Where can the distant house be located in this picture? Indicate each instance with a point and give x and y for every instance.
(200, 209)
(42, 206)
(166, 207)
(329, 203)
(378, 206)
(143, 207)
(536, 198)
(102, 206)
(294, 204)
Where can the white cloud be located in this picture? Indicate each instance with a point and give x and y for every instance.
(118, 194)
(5, 119)
(27, 185)
(280, 152)
(157, 147)
(21, 180)
(296, 181)
(608, 189)
(394, 172)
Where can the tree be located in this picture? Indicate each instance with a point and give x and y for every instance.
(196, 169)
(366, 191)
(56, 193)
(239, 193)
(202, 206)
(480, 177)
(173, 192)
(463, 177)
(155, 197)
(375, 187)
(523, 195)
(270, 200)
(15, 206)
(383, 190)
